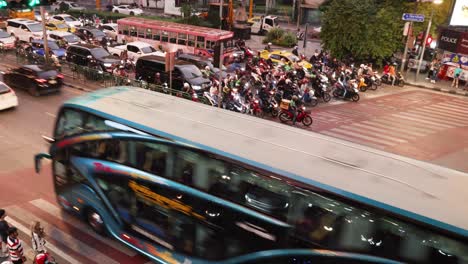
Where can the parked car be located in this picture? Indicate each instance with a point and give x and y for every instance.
(38, 17)
(59, 26)
(111, 30)
(7, 39)
(148, 66)
(8, 98)
(67, 37)
(89, 34)
(25, 29)
(91, 55)
(38, 48)
(67, 4)
(127, 10)
(135, 50)
(68, 19)
(36, 79)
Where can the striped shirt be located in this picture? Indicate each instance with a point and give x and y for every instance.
(15, 248)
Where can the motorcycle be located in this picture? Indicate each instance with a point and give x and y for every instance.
(352, 92)
(399, 79)
(255, 108)
(270, 106)
(303, 116)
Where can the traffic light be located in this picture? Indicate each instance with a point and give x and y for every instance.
(33, 3)
(3, 4)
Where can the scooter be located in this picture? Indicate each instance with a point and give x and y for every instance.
(352, 92)
(303, 116)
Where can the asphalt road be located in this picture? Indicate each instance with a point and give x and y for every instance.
(408, 121)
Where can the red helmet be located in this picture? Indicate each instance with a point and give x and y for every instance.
(42, 258)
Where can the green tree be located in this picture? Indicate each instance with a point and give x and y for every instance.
(362, 29)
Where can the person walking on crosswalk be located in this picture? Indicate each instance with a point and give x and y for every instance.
(37, 238)
(15, 247)
(3, 234)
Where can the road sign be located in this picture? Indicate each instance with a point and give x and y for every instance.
(413, 17)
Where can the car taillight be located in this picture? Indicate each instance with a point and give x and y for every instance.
(60, 76)
(41, 80)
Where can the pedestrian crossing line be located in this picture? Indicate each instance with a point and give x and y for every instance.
(441, 108)
(56, 251)
(437, 118)
(364, 137)
(394, 127)
(352, 139)
(449, 107)
(373, 134)
(425, 128)
(463, 104)
(55, 211)
(75, 244)
(384, 131)
(431, 118)
(418, 119)
(444, 113)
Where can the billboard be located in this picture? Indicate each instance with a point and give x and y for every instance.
(460, 13)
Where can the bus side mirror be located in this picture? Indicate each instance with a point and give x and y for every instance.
(37, 161)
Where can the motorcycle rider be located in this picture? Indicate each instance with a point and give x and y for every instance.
(295, 50)
(293, 108)
(104, 42)
(268, 47)
(392, 73)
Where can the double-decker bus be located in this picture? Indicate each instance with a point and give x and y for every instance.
(182, 182)
(174, 36)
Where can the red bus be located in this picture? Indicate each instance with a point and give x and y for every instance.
(176, 37)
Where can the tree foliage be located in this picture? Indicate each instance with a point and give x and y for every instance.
(362, 29)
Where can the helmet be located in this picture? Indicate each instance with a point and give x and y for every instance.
(207, 68)
(186, 85)
(42, 258)
(294, 97)
(361, 66)
(269, 44)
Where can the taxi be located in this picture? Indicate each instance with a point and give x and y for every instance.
(277, 55)
(59, 26)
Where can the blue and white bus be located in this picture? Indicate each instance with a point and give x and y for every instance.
(182, 182)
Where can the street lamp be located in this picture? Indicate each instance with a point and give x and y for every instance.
(437, 2)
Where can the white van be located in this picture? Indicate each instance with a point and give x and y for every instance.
(25, 29)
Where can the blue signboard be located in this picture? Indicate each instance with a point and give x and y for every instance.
(413, 17)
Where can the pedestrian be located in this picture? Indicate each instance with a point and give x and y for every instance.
(435, 71)
(431, 69)
(392, 73)
(15, 247)
(3, 234)
(456, 76)
(38, 238)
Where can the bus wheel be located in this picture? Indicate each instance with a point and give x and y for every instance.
(95, 221)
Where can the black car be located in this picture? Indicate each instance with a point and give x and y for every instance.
(90, 34)
(36, 79)
(148, 66)
(91, 55)
(201, 62)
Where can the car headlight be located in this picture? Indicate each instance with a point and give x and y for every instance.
(107, 65)
(196, 87)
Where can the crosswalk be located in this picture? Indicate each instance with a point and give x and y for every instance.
(403, 127)
(69, 239)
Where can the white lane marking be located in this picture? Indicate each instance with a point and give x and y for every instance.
(384, 131)
(418, 119)
(354, 134)
(439, 116)
(444, 113)
(50, 114)
(391, 126)
(354, 140)
(66, 239)
(57, 212)
(414, 124)
(432, 118)
(452, 108)
(448, 110)
(50, 246)
(375, 135)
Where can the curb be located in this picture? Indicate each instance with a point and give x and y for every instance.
(442, 90)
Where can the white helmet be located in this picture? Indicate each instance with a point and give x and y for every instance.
(186, 85)
(207, 68)
(361, 66)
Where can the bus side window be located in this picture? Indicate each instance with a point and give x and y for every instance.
(149, 33)
(121, 197)
(164, 36)
(188, 169)
(70, 123)
(182, 39)
(141, 33)
(157, 34)
(123, 29)
(95, 123)
(133, 32)
(172, 37)
(153, 158)
(191, 40)
(200, 42)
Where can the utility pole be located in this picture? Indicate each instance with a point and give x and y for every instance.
(220, 89)
(44, 33)
(221, 14)
(424, 44)
(410, 29)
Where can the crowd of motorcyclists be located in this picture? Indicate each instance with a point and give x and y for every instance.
(261, 86)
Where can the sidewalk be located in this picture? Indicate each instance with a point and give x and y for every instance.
(440, 85)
